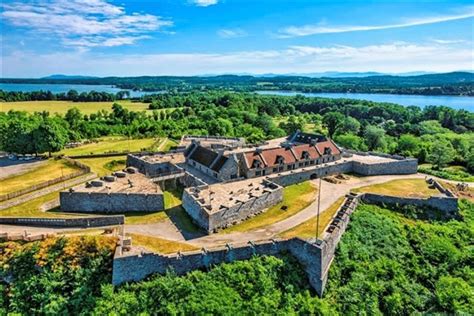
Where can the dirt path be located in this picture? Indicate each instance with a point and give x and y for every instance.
(53, 188)
(330, 194)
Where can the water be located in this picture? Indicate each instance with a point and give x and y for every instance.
(455, 102)
(64, 88)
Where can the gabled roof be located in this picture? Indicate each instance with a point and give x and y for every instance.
(203, 156)
(310, 149)
(330, 144)
(219, 163)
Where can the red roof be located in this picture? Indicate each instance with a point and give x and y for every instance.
(251, 156)
(312, 151)
(330, 144)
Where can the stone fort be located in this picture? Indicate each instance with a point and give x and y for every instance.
(226, 180)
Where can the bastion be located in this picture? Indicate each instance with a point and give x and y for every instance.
(127, 191)
(221, 205)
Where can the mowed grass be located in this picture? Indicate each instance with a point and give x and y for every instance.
(104, 165)
(113, 144)
(35, 208)
(49, 170)
(160, 245)
(308, 228)
(295, 197)
(403, 187)
(61, 107)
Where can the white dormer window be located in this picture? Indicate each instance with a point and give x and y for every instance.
(280, 160)
(256, 163)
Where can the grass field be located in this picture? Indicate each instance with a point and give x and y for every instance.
(296, 197)
(115, 144)
(35, 208)
(160, 245)
(49, 170)
(308, 228)
(61, 107)
(106, 165)
(403, 187)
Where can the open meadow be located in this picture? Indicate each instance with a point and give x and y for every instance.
(61, 107)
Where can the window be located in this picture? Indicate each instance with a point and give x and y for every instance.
(306, 163)
(258, 173)
(233, 176)
(311, 162)
(275, 169)
(280, 168)
(300, 164)
(289, 167)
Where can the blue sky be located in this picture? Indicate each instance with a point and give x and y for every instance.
(189, 37)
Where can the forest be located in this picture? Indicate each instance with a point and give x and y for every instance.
(386, 263)
(455, 83)
(434, 134)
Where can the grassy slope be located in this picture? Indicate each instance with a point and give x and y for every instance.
(160, 245)
(51, 169)
(308, 228)
(296, 197)
(404, 187)
(112, 144)
(61, 107)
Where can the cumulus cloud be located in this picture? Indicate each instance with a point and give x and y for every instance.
(391, 57)
(305, 30)
(82, 23)
(204, 3)
(231, 33)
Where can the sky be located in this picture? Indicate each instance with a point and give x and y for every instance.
(203, 37)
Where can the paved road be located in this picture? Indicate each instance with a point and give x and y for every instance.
(166, 229)
(52, 188)
(329, 195)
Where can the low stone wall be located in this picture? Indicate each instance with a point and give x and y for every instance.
(135, 267)
(96, 221)
(92, 202)
(447, 205)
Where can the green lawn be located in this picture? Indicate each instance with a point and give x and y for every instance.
(160, 245)
(104, 165)
(36, 208)
(114, 144)
(49, 170)
(403, 187)
(456, 173)
(296, 197)
(308, 228)
(61, 107)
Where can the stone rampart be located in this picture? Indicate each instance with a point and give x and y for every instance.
(92, 202)
(96, 221)
(135, 267)
(400, 166)
(447, 205)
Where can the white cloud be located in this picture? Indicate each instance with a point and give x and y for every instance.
(450, 41)
(305, 30)
(391, 57)
(204, 3)
(82, 23)
(231, 33)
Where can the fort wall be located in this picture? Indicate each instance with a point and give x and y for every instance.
(446, 204)
(96, 221)
(135, 267)
(91, 202)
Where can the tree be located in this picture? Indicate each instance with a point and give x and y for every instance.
(375, 138)
(50, 136)
(350, 141)
(441, 153)
(349, 125)
(409, 145)
(332, 120)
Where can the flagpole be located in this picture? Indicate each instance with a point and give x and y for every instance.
(319, 205)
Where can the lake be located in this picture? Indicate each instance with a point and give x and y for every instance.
(455, 102)
(64, 88)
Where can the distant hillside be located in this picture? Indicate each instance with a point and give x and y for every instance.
(454, 83)
(68, 77)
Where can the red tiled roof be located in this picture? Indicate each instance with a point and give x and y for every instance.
(330, 144)
(299, 149)
(251, 156)
(271, 155)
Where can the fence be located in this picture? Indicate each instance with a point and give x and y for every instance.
(84, 169)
